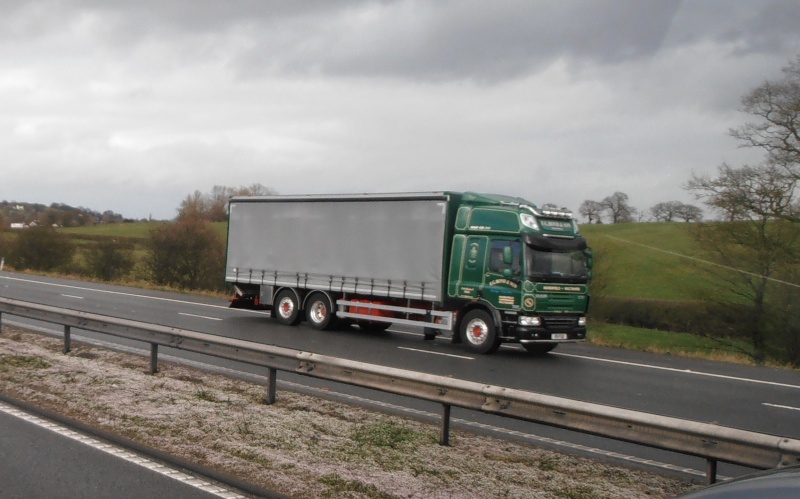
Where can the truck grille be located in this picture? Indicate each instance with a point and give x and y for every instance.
(560, 322)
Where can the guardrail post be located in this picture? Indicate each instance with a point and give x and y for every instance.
(711, 471)
(272, 385)
(153, 358)
(67, 339)
(444, 435)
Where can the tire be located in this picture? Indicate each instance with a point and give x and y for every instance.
(320, 313)
(539, 348)
(479, 333)
(286, 308)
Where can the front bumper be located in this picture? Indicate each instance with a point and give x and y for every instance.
(553, 329)
(527, 334)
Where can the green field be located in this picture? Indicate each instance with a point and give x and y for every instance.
(136, 230)
(652, 261)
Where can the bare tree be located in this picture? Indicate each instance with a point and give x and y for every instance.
(618, 209)
(665, 211)
(689, 213)
(758, 241)
(669, 211)
(745, 193)
(776, 105)
(592, 210)
(213, 206)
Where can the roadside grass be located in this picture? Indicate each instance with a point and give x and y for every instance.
(670, 343)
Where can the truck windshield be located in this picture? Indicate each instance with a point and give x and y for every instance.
(557, 266)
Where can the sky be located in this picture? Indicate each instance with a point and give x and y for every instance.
(132, 106)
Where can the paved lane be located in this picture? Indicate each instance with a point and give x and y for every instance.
(41, 459)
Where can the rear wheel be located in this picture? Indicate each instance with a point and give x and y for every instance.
(539, 348)
(319, 311)
(286, 307)
(478, 332)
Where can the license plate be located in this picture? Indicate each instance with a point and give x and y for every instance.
(558, 336)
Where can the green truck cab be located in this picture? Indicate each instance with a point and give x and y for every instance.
(526, 271)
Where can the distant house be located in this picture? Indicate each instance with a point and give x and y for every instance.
(19, 226)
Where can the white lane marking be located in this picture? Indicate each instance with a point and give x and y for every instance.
(120, 293)
(200, 316)
(120, 453)
(781, 406)
(73, 296)
(684, 371)
(437, 353)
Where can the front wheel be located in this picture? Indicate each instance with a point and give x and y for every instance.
(286, 308)
(478, 332)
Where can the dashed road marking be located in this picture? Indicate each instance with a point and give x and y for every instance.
(781, 406)
(437, 353)
(200, 316)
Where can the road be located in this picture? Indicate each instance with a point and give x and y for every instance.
(41, 459)
(752, 398)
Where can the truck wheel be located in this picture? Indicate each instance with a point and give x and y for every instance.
(286, 308)
(319, 311)
(478, 332)
(539, 348)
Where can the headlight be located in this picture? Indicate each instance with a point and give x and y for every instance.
(525, 320)
(582, 321)
(528, 221)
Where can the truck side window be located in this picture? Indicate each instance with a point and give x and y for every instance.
(496, 263)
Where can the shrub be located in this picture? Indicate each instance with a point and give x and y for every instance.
(698, 317)
(41, 248)
(188, 254)
(109, 259)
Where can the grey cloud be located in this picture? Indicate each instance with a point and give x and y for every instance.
(433, 41)
(466, 40)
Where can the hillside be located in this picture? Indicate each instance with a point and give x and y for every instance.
(651, 261)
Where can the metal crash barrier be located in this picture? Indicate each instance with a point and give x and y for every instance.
(713, 442)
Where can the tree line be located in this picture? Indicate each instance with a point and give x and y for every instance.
(59, 214)
(616, 209)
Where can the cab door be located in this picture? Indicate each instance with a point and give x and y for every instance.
(469, 262)
(503, 273)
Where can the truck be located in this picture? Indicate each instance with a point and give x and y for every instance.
(477, 269)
